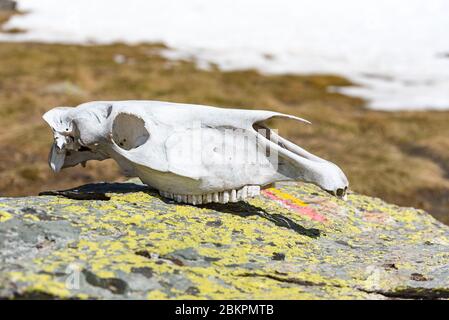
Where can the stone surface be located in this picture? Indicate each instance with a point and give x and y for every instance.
(119, 241)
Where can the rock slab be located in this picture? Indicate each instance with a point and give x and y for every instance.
(124, 241)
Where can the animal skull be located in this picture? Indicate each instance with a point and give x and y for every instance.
(190, 153)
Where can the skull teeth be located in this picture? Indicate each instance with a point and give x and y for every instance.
(217, 197)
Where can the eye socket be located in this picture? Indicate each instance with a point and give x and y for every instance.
(341, 192)
(129, 131)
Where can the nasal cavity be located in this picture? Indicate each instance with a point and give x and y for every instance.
(128, 131)
(341, 192)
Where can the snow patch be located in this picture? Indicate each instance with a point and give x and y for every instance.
(396, 50)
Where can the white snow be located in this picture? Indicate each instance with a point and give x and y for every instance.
(397, 50)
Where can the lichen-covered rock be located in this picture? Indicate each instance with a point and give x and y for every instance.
(294, 242)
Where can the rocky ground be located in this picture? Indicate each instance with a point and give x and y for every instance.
(122, 240)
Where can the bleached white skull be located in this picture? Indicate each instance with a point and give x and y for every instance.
(190, 153)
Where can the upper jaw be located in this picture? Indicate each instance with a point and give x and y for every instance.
(58, 151)
(57, 157)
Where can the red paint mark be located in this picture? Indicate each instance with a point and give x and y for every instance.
(307, 211)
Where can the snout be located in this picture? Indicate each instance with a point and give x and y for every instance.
(62, 143)
(340, 193)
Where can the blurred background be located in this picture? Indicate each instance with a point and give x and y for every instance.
(372, 76)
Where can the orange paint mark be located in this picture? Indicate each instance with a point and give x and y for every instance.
(293, 203)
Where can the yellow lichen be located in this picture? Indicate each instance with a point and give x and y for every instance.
(40, 283)
(131, 230)
(5, 216)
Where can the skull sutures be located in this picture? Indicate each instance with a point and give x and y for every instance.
(190, 153)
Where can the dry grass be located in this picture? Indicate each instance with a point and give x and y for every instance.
(401, 157)
(4, 17)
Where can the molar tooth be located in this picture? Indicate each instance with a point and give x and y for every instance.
(256, 191)
(233, 197)
(178, 197)
(244, 192)
(216, 197)
(239, 194)
(189, 199)
(225, 196)
(199, 199)
(209, 198)
(253, 191)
